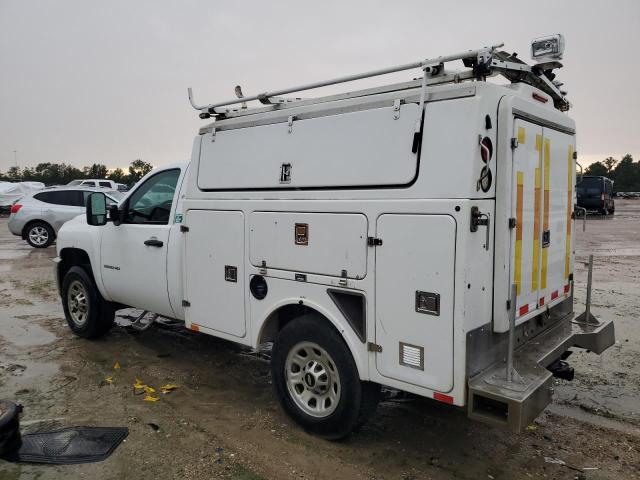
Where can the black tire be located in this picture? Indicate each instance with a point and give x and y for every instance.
(99, 315)
(39, 234)
(357, 400)
(10, 439)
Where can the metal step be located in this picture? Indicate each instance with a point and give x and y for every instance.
(515, 404)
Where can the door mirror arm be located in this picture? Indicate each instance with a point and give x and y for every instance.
(115, 214)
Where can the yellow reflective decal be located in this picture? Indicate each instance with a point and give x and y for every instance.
(567, 248)
(521, 135)
(517, 273)
(545, 219)
(536, 232)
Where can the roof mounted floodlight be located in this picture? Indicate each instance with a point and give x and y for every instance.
(546, 49)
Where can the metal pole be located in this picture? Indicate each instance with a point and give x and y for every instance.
(512, 328)
(15, 157)
(589, 277)
(348, 78)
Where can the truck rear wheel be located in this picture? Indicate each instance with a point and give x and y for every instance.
(87, 313)
(316, 379)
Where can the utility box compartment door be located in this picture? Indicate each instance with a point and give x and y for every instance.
(320, 243)
(542, 204)
(527, 205)
(558, 186)
(214, 270)
(356, 149)
(415, 298)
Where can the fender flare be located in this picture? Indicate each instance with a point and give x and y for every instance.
(355, 346)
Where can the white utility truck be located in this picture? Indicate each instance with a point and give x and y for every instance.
(417, 235)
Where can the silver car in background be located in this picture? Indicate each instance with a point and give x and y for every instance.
(38, 217)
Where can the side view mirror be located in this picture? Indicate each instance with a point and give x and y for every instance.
(97, 209)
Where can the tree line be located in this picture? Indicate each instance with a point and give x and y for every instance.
(63, 173)
(624, 173)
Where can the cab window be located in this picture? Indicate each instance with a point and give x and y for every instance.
(151, 202)
(69, 198)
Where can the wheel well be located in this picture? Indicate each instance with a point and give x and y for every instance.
(26, 228)
(283, 315)
(70, 257)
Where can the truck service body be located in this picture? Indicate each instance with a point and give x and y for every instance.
(422, 232)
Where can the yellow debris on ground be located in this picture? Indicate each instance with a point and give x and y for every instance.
(116, 366)
(149, 389)
(168, 388)
(151, 398)
(109, 379)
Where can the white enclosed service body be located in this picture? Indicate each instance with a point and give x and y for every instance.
(373, 211)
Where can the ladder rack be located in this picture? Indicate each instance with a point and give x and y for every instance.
(484, 62)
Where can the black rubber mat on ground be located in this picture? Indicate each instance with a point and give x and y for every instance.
(69, 445)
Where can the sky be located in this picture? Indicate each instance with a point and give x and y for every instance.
(85, 81)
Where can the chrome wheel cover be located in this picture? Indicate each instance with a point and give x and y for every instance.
(38, 235)
(312, 379)
(77, 303)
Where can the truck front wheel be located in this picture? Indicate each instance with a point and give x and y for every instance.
(87, 313)
(316, 379)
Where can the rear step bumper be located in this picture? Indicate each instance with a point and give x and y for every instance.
(494, 400)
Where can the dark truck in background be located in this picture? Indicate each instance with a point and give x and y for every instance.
(596, 194)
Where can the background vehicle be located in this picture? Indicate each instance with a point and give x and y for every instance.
(407, 235)
(95, 183)
(596, 193)
(38, 217)
(10, 192)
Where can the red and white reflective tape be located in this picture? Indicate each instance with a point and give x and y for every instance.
(555, 294)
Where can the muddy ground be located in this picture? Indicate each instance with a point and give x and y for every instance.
(223, 420)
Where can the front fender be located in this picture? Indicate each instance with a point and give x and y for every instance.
(77, 234)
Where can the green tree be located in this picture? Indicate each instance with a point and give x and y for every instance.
(597, 169)
(14, 174)
(95, 171)
(610, 163)
(137, 170)
(118, 176)
(627, 175)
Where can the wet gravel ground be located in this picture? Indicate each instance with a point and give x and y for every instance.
(223, 420)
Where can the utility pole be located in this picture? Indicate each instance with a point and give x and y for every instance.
(15, 157)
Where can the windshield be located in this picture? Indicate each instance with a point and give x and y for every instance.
(75, 182)
(116, 194)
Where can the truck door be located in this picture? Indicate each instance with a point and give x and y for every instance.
(134, 254)
(414, 299)
(541, 203)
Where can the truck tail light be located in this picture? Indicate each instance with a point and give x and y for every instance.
(486, 149)
(15, 207)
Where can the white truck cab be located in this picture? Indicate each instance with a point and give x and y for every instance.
(416, 235)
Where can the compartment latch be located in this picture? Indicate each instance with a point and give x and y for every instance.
(479, 219)
(546, 238)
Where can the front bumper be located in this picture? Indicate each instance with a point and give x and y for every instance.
(515, 404)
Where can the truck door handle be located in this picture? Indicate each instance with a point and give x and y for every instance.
(154, 242)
